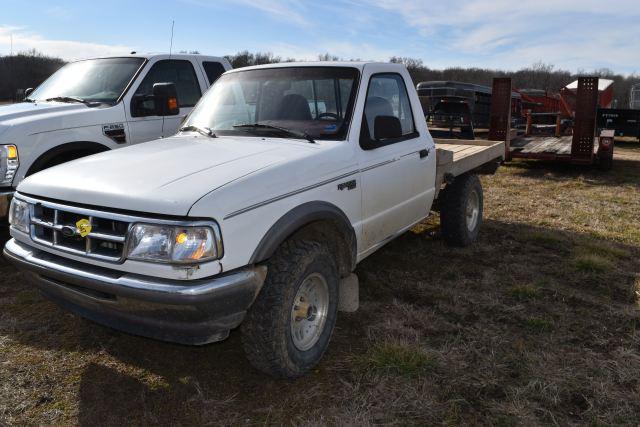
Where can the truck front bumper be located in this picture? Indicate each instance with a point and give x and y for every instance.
(187, 312)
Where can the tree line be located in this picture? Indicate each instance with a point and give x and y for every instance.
(29, 69)
(25, 70)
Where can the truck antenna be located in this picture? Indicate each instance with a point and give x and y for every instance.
(171, 42)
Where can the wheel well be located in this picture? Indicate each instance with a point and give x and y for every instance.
(64, 153)
(327, 232)
(319, 221)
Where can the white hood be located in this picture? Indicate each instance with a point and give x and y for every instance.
(165, 176)
(34, 117)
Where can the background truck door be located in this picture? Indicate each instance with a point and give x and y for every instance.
(144, 124)
(395, 172)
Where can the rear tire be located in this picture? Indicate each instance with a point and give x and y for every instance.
(461, 210)
(288, 328)
(605, 163)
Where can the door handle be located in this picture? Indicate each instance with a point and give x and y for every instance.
(424, 153)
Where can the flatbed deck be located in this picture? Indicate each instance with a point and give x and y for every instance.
(543, 147)
(458, 156)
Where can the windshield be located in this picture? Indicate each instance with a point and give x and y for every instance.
(98, 80)
(313, 101)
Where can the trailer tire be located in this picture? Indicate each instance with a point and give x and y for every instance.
(302, 283)
(461, 210)
(605, 163)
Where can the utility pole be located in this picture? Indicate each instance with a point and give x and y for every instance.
(11, 38)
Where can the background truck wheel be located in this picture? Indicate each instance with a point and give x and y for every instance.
(461, 210)
(288, 328)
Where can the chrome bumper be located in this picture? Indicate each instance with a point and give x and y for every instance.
(187, 312)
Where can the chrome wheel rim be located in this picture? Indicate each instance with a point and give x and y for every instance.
(309, 311)
(473, 210)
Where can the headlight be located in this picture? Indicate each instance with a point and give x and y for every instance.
(169, 244)
(19, 216)
(9, 163)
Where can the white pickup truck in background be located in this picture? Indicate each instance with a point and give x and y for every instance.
(281, 181)
(96, 105)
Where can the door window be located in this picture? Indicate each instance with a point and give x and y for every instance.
(387, 96)
(179, 72)
(213, 70)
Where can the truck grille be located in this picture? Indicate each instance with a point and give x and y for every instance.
(55, 226)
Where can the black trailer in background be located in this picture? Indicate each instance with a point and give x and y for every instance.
(457, 109)
(625, 122)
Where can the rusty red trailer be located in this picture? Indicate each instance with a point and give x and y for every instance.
(582, 146)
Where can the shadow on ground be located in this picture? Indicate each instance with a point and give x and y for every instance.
(527, 324)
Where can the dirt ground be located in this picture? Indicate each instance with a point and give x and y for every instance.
(537, 323)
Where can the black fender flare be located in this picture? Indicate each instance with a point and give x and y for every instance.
(301, 216)
(68, 147)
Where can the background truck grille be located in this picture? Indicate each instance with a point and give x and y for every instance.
(56, 227)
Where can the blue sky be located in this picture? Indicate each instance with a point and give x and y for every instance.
(506, 34)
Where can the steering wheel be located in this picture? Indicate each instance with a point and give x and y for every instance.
(333, 116)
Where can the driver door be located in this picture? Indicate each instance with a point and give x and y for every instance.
(144, 124)
(396, 190)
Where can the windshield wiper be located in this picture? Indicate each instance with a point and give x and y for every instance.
(203, 130)
(297, 134)
(68, 99)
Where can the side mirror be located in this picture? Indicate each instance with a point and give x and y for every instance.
(387, 127)
(27, 92)
(165, 97)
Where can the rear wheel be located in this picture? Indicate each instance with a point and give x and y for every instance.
(461, 210)
(288, 328)
(605, 163)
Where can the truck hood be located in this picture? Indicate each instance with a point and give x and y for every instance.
(39, 116)
(166, 176)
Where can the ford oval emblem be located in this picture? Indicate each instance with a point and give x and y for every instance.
(68, 231)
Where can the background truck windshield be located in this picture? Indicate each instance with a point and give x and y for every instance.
(315, 100)
(100, 80)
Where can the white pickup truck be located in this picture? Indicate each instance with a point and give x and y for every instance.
(96, 105)
(282, 180)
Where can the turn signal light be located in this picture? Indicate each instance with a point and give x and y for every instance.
(172, 103)
(12, 152)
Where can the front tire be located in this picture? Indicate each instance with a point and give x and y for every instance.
(288, 328)
(461, 211)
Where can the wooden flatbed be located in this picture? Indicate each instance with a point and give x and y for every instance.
(537, 147)
(458, 156)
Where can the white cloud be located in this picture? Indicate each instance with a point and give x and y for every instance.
(66, 49)
(500, 33)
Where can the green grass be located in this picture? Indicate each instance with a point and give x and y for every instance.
(593, 263)
(603, 250)
(546, 239)
(399, 359)
(523, 292)
(539, 325)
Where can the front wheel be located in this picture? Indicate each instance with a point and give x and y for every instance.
(288, 328)
(461, 210)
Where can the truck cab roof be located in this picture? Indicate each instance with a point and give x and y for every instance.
(149, 56)
(360, 65)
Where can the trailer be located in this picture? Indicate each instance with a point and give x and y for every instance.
(457, 110)
(624, 122)
(581, 146)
